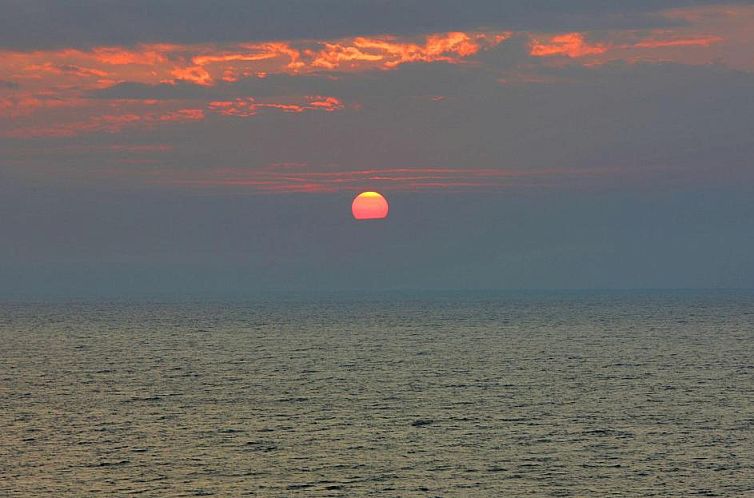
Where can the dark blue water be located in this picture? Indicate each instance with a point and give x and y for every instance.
(402, 394)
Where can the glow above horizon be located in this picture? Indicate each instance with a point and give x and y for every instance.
(370, 206)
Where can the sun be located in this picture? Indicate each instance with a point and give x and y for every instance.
(370, 206)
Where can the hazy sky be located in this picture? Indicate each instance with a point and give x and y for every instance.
(159, 148)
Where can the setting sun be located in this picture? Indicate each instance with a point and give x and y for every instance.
(369, 206)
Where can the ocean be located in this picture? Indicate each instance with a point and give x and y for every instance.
(395, 394)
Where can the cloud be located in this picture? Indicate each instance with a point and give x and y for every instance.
(180, 90)
(575, 45)
(104, 123)
(209, 65)
(42, 24)
(706, 35)
(241, 78)
(413, 79)
(568, 44)
(146, 115)
(610, 115)
(611, 125)
(296, 179)
(583, 100)
(247, 107)
(601, 143)
(130, 80)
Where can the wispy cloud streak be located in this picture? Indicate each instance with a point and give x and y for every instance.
(292, 179)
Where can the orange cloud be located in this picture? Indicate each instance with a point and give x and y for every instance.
(194, 74)
(50, 87)
(568, 44)
(209, 63)
(61, 78)
(574, 45)
(248, 106)
(328, 104)
(390, 52)
(704, 35)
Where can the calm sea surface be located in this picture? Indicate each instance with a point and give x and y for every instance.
(476, 394)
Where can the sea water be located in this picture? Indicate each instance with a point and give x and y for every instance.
(396, 394)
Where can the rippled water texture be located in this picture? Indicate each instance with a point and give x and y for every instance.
(618, 394)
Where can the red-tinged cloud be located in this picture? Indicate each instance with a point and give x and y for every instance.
(147, 55)
(246, 107)
(140, 149)
(292, 179)
(574, 45)
(209, 64)
(50, 90)
(704, 41)
(390, 52)
(144, 114)
(22, 104)
(568, 44)
(703, 35)
(105, 123)
(62, 78)
(194, 74)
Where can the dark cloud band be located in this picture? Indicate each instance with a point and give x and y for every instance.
(33, 24)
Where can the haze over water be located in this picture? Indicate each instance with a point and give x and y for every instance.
(434, 394)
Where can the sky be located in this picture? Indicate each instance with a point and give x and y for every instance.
(189, 148)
